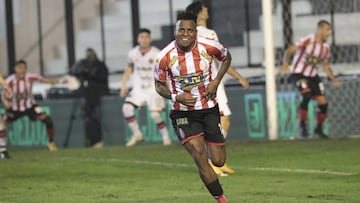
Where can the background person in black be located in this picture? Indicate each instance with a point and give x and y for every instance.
(93, 76)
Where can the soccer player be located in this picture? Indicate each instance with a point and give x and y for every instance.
(141, 63)
(22, 102)
(201, 11)
(309, 52)
(183, 74)
(6, 92)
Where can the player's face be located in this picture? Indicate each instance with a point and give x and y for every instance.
(20, 70)
(144, 40)
(325, 31)
(203, 13)
(185, 34)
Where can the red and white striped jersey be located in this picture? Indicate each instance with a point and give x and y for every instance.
(309, 54)
(189, 71)
(143, 67)
(22, 89)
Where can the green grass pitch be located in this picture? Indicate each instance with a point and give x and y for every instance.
(266, 171)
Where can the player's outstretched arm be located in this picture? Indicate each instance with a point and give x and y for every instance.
(330, 74)
(243, 81)
(285, 67)
(52, 81)
(7, 90)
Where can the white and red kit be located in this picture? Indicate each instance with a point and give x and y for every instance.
(308, 55)
(23, 98)
(189, 71)
(221, 96)
(143, 79)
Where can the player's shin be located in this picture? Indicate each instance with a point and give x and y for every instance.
(216, 191)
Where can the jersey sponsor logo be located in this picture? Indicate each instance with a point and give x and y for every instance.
(311, 60)
(182, 121)
(21, 96)
(187, 82)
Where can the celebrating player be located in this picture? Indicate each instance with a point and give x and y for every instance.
(200, 10)
(22, 103)
(141, 62)
(310, 51)
(183, 73)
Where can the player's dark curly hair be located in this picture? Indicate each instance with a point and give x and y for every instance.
(144, 30)
(195, 7)
(187, 16)
(21, 61)
(323, 22)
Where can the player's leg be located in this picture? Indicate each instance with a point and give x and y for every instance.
(4, 154)
(134, 100)
(92, 124)
(189, 130)
(156, 104)
(225, 113)
(302, 84)
(322, 104)
(196, 148)
(37, 113)
(9, 117)
(215, 143)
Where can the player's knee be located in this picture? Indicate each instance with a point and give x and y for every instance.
(217, 161)
(323, 108)
(2, 124)
(128, 110)
(48, 122)
(306, 97)
(155, 115)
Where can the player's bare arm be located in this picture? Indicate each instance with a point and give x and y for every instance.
(185, 98)
(243, 81)
(285, 67)
(7, 90)
(128, 71)
(330, 74)
(53, 81)
(210, 92)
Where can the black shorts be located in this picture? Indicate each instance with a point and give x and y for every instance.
(192, 124)
(308, 84)
(32, 113)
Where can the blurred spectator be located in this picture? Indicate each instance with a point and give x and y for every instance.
(93, 76)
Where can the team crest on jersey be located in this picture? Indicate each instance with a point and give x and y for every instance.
(206, 56)
(202, 65)
(187, 82)
(151, 61)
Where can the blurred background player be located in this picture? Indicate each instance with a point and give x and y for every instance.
(183, 74)
(141, 63)
(6, 93)
(200, 10)
(93, 76)
(310, 51)
(22, 102)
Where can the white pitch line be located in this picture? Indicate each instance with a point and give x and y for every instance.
(184, 165)
(309, 171)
